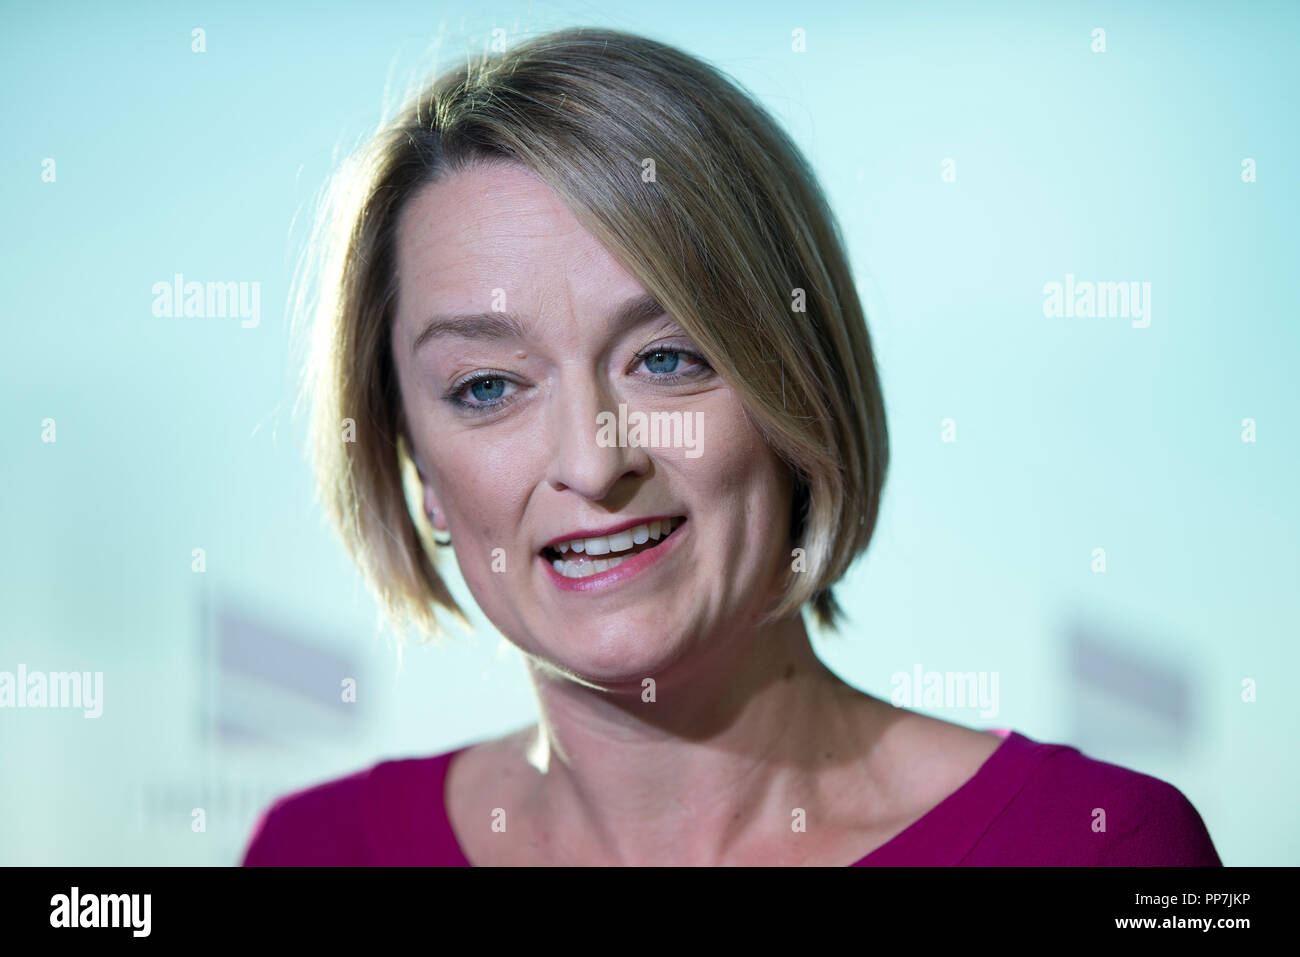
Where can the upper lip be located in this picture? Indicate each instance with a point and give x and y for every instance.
(602, 532)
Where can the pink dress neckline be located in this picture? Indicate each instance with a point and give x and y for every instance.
(940, 836)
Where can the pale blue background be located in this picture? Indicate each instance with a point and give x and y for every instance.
(1072, 433)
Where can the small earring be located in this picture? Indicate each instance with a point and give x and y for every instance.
(436, 539)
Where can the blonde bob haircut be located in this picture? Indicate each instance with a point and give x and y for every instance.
(699, 194)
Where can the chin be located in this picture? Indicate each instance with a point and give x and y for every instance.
(618, 653)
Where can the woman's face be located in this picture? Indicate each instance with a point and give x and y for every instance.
(515, 329)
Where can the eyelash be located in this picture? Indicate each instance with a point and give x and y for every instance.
(675, 376)
(453, 394)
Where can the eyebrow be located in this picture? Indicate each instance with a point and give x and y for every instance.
(492, 326)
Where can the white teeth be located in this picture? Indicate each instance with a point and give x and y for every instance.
(583, 569)
(609, 544)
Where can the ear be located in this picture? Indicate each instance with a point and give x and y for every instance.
(432, 507)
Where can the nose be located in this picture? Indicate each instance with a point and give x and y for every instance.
(580, 461)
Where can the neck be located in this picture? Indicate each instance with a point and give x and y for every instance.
(706, 766)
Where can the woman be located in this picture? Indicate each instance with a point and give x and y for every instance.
(589, 305)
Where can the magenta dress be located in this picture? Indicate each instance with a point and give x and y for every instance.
(1029, 804)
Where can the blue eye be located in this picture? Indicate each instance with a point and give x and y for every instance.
(662, 361)
(488, 390)
(668, 364)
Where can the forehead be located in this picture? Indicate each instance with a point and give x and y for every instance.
(499, 226)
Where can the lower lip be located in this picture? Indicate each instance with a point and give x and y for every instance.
(623, 571)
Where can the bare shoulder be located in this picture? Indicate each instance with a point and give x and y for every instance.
(497, 766)
(490, 774)
(915, 763)
(931, 758)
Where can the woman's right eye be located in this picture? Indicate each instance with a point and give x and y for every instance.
(488, 390)
(481, 393)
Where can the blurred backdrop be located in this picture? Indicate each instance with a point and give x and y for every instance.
(1091, 514)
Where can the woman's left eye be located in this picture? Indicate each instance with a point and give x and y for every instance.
(662, 360)
(670, 362)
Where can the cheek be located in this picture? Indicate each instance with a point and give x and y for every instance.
(737, 460)
(742, 484)
(483, 488)
(484, 495)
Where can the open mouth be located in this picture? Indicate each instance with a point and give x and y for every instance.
(590, 556)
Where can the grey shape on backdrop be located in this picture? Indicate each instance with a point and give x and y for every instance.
(1122, 699)
(269, 687)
